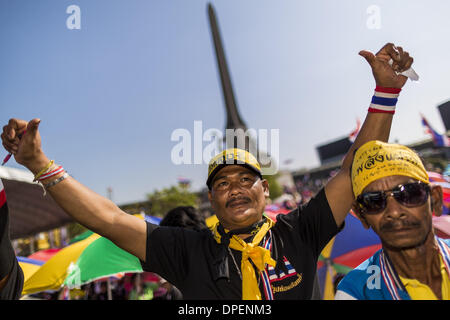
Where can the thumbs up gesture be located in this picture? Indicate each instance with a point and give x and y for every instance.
(22, 139)
(386, 65)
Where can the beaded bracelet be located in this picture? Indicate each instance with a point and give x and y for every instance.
(384, 100)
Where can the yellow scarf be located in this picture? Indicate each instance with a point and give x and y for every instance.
(259, 256)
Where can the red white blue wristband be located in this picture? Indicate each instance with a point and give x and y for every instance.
(51, 173)
(384, 100)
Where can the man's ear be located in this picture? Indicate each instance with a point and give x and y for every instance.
(265, 184)
(436, 200)
(210, 198)
(355, 209)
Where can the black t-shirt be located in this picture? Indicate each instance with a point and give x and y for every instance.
(13, 287)
(8, 262)
(185, 257)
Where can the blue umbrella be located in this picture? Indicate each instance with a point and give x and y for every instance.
(153, 219)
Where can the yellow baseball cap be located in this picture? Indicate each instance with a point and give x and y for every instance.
(376, 159)
(229, 157)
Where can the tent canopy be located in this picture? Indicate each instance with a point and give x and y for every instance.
(30, 211)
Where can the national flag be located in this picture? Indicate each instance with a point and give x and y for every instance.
(440, 140)
(184, 182)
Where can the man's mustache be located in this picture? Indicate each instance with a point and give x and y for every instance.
(231, 201)
(399, 224)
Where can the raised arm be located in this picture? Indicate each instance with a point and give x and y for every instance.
(82, 204)
(377, 124)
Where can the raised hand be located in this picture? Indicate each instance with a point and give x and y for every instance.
(27, 149)
(385, 74)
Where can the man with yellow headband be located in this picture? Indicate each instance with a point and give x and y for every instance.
(247, 256)
(394, 198)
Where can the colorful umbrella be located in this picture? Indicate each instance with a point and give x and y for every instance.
(344, 252)
(82, 262)
(442, 226)
(44, 255)
(81, 236)
(87, 233)
(100, 258)
(153, 219)
(443, 181)
(29, 266)
(273, 210)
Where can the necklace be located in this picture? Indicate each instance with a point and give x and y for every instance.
(235, 263)
(237, 268)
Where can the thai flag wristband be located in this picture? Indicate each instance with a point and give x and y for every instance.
(384, 100)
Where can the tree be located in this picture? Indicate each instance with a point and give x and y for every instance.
(274, 187)
(170, 198)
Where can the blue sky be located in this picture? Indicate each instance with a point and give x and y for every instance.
(111, 93)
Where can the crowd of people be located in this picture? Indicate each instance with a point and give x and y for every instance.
(128, 286)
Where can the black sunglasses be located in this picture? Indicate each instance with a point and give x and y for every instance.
(409, 195)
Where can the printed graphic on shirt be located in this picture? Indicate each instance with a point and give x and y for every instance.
(273, 275)
(284, 281)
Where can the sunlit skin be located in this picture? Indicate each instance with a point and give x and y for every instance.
(407, 234)
(238, 196)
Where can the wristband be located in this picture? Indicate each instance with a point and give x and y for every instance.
(51, 184)
(40, 173)
(51, 173)
(384, 100)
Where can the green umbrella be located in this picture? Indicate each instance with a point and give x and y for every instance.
(82, 262)
(100, 259)
(81, 236)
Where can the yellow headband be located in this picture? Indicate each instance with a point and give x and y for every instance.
(375, 160)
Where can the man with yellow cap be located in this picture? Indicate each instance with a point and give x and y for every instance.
(247, 256)
(394, 198)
